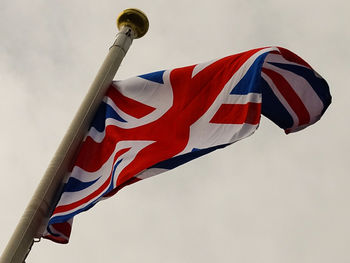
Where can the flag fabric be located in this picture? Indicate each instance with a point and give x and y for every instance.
(149, 124)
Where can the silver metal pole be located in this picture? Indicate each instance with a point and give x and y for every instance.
(132, 24)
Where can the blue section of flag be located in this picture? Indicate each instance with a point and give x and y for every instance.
(154, 76)
(74, 185)
(249, 82)
(65, 218)
(184, 158)
(273, 109)
(104, 112)
(319, 85)
(110, 188)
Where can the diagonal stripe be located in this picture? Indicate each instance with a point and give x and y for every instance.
(290, 56)
(248, 84)
(318, 84)
(128, 105)
(290, 95)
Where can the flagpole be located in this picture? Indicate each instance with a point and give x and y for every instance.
(132, 24)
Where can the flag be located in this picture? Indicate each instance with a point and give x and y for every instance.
(149, 124)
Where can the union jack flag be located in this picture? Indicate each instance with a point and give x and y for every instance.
(149, 124)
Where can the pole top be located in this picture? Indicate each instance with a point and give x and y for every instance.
(135, 19)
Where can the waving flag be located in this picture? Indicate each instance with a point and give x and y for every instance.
(149, 124)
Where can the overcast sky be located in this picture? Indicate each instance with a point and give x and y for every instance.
(269, 198)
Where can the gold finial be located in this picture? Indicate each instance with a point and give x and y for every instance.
(135, 19)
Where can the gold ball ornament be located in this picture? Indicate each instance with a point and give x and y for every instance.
(135, 19)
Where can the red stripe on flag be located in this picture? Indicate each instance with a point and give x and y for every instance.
(290, 95)
(86, 199)
(57, 239)
(238, 114)
(290, 56)
(100, 152)
(128, 105)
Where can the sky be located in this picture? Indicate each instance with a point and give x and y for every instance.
(269, 198)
